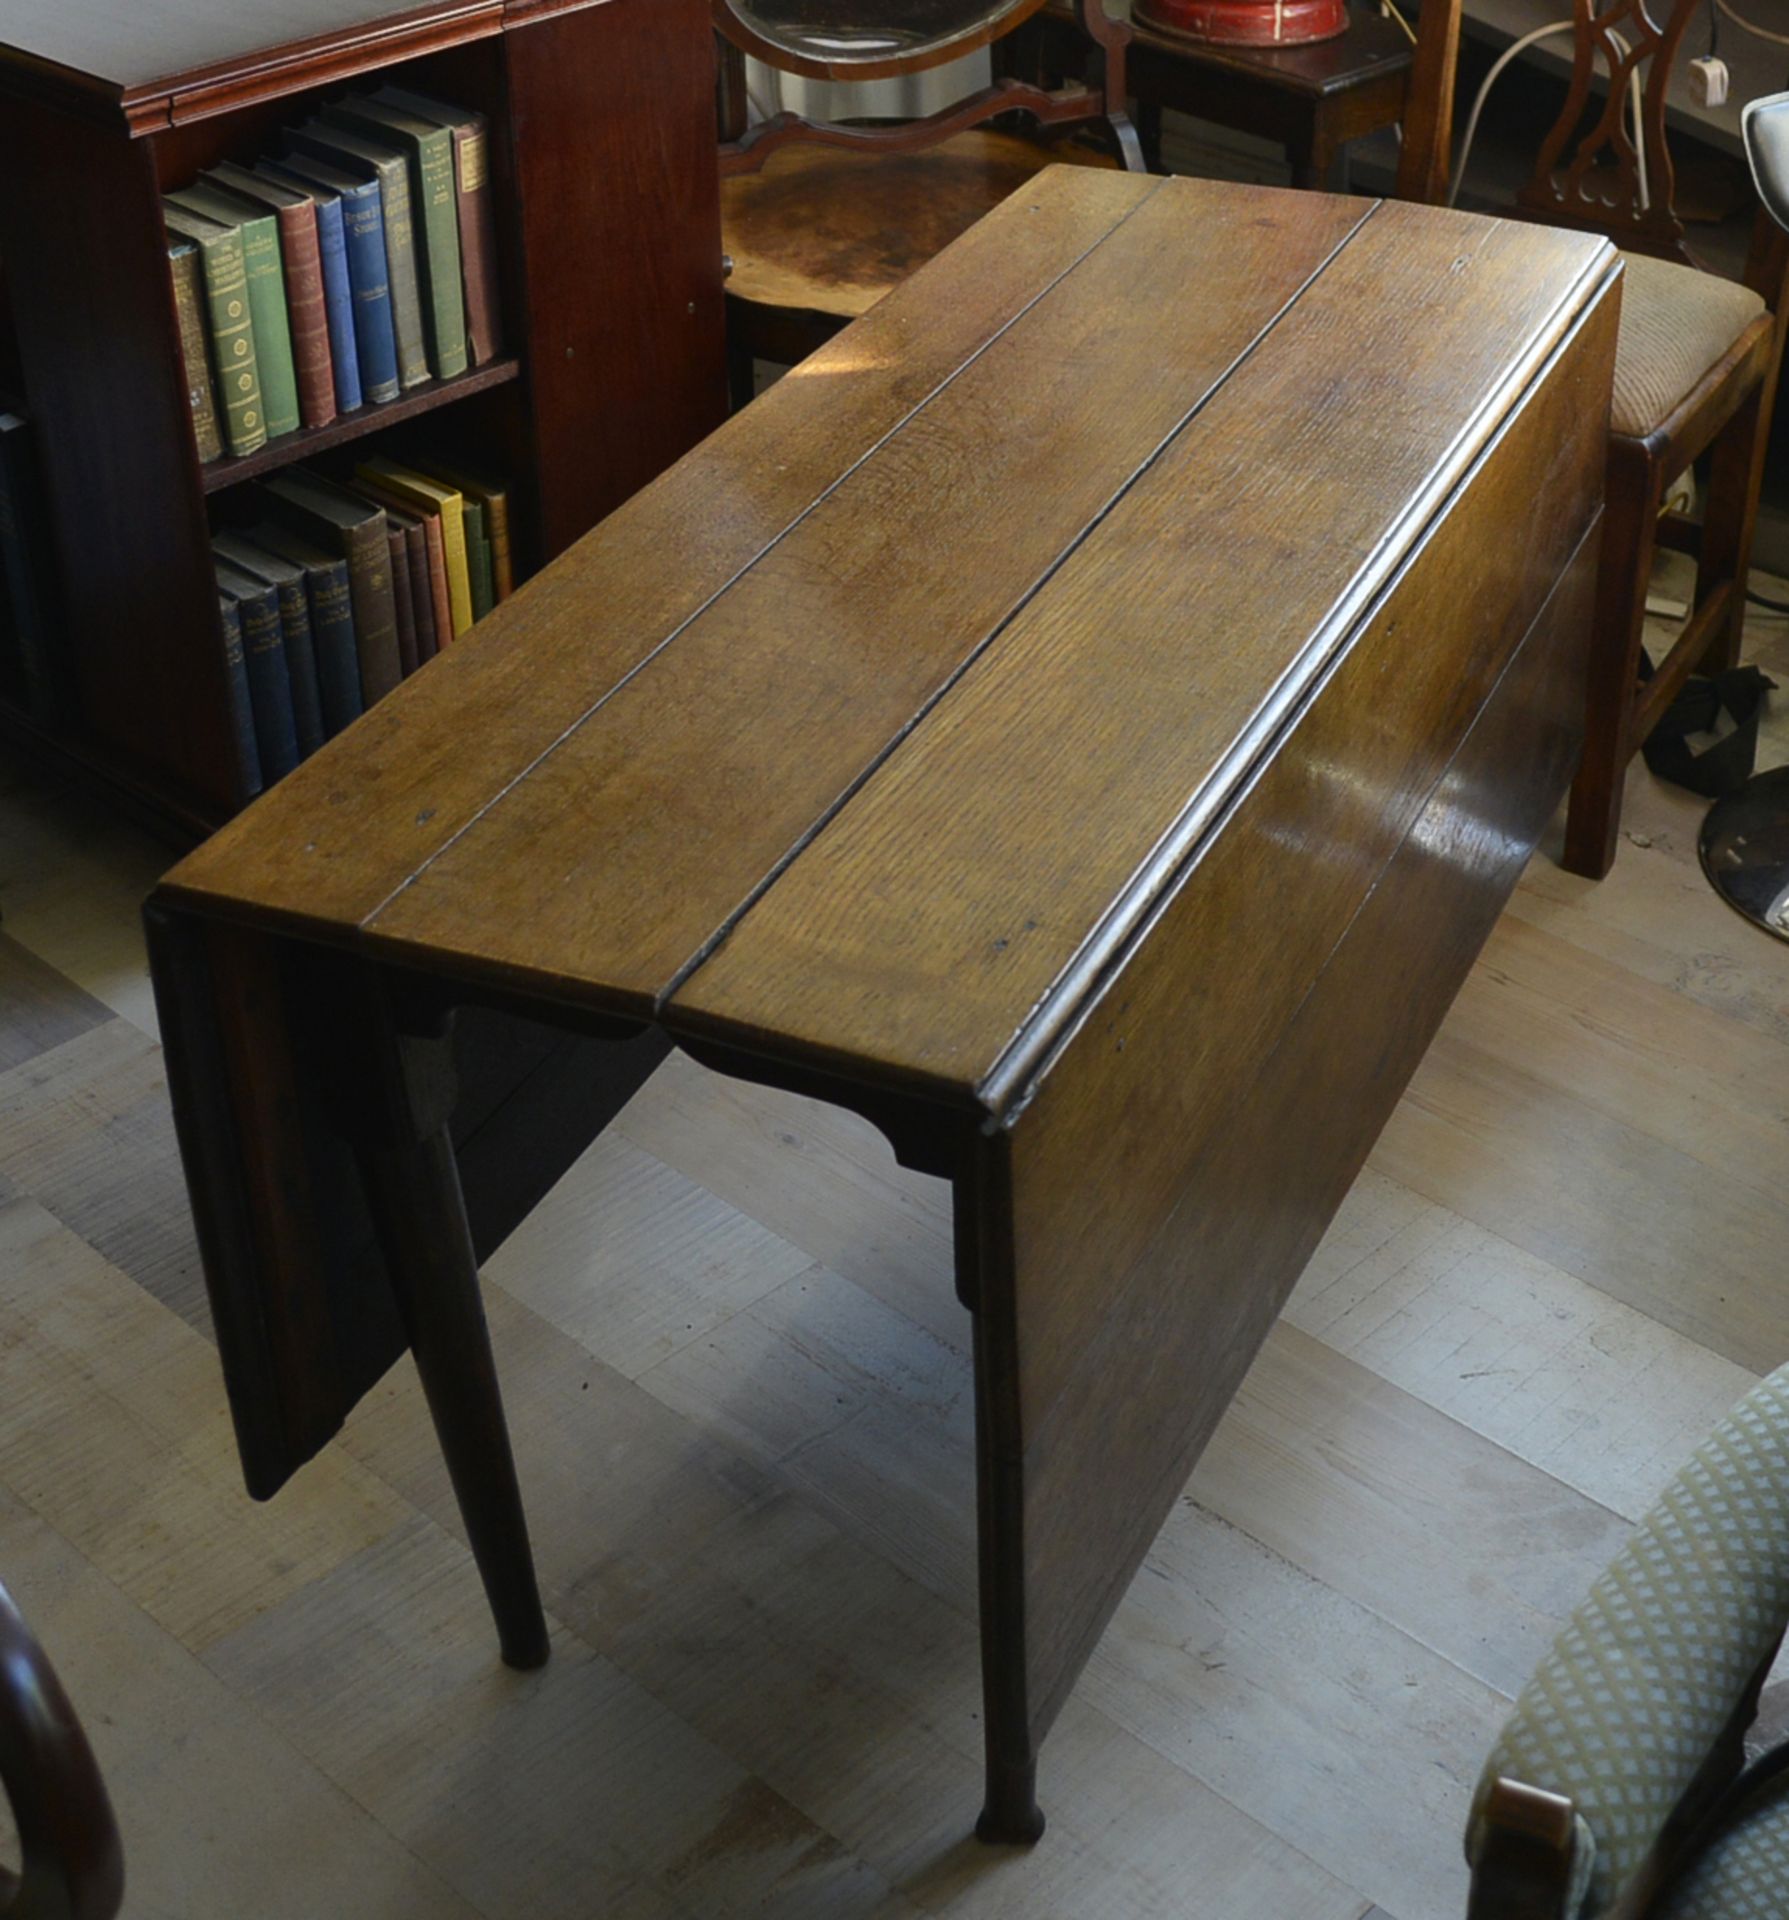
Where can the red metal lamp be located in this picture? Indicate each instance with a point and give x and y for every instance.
(1245, 23)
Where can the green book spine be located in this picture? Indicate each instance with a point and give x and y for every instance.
(273, 329)
(406, 290)
(478, 560)
(434, 200)
(266, 298)
(441, 238)
(232, 330)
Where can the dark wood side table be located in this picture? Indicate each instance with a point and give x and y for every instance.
(1311, 99)
(1087, 721)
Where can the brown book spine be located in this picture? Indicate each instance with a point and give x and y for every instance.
(497, 532)
(311, 358)
(189, 310)
(400, 594)
(422, 600)
(375, 617)
(438, 582)
(478, 239)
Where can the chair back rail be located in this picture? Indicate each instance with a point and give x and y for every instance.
(1594, 180)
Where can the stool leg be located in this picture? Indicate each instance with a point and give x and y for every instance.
(413, 1188)
(1593, 820)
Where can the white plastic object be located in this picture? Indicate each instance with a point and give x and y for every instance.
(1709, 81)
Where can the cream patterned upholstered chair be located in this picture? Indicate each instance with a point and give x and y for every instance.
(1617, 1788)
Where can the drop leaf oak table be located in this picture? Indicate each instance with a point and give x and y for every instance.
(1086, 719)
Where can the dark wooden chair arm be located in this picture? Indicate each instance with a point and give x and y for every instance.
(73, 1867)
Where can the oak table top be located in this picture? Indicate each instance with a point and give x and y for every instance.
(1062, 534)
(1086, 718)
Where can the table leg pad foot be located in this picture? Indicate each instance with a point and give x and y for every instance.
(1015, 1827)
(528, 1653)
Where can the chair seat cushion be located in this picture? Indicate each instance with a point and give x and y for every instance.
(1744, 1875)
(827, 230)
(1675, 324)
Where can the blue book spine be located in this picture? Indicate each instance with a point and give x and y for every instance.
(301, 667)
(338, 304)
(338, 658)
(363, 222)
(242, 712)
(269, 684)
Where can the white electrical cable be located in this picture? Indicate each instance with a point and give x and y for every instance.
(1521, 46)
(1747, 26)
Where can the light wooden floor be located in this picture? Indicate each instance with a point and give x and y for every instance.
(738, 1381)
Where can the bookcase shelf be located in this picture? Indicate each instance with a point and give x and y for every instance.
(229, 470)
(602, 156)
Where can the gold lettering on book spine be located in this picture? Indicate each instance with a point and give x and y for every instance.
(472, 163)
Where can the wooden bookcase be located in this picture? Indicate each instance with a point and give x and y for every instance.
(603, 138)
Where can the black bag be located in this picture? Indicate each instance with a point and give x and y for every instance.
(1727, 765)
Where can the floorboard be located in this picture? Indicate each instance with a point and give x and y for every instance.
(739, 1382)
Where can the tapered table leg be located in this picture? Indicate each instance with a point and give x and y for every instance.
(413, 1189)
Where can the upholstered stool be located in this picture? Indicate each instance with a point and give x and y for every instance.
(1676, 323)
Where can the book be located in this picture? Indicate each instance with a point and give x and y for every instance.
(424, 495)
(332, 620)
(422, 599)
(301, 261)
(27, 567)
(478, 558)
(434, 208)
(369, 278)
(477, 209)
(346, 524)
(287, 581)
(264, 661)
(428, 584)
(195, 359)
(338, 292)
(374, 159)
(232, 333)
(493, 496)
(242, 712)
(266, 297)
(416, 560)
(400, 593)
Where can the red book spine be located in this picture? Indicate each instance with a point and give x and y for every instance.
(311, 359)
(478, 240)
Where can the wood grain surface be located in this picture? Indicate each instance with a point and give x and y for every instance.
(1244, 1197)
(979, 870)
(664, 740)
(651, 826)
(830, 230)
(337, 838)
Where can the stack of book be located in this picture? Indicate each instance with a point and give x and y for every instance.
(32, 666)
(332, 591)
(358, 263)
